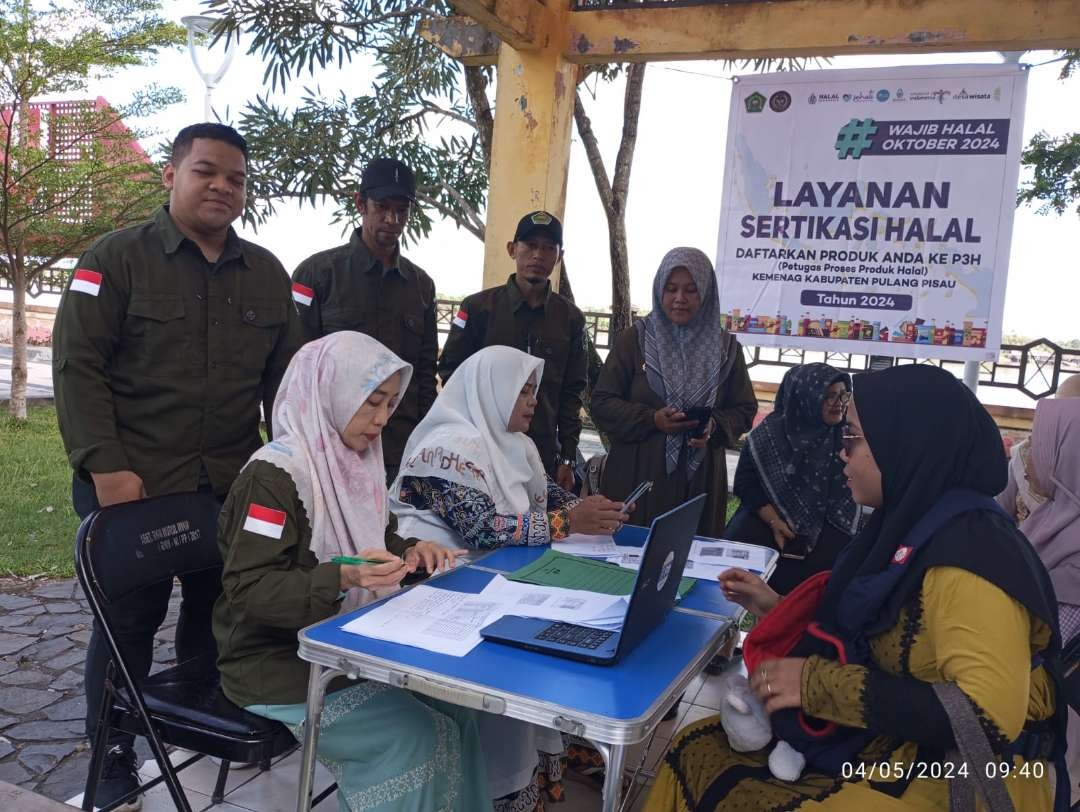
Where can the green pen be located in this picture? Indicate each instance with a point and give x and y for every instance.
(351, 559)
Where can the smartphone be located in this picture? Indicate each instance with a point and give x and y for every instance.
(795, 548)
(637, 493)
(701, 414)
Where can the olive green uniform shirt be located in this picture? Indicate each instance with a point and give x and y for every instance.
(161, 359)
(272, 588)
(553, 332)
(351, 290)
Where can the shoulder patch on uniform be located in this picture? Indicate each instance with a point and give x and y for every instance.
(86, 281)
(461, 318)
(302, 294)
(265, 521)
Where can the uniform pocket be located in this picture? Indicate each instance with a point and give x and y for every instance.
(258, 323)
(553, 353)
(156, 334)
(342, 318)
(412, 335)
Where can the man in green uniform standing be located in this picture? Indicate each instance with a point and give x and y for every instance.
(170, 336)
(366, 285)
(525, 313)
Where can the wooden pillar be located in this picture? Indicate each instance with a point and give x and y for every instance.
(530, 151)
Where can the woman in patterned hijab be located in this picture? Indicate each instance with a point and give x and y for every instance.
(790, 479)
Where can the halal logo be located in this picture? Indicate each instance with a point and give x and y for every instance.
(755, 102)
(813, 98)
(780, 101)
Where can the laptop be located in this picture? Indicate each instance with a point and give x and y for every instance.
(663, 560)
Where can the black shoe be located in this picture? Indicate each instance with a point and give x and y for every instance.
(118, 778)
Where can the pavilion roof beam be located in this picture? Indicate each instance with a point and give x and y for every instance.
(524, 25)
(461, 38)
(820, 28)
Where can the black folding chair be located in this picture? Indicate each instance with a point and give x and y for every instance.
(118, 551)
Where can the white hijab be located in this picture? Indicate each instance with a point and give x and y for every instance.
(465, 439)
(342, 490)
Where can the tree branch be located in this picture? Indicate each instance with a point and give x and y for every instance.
(635, 80)
(446, 211)
(434, 108)
(476, 85)
(592, 151)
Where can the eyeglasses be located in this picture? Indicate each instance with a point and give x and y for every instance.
(847, 440)
(838, 398)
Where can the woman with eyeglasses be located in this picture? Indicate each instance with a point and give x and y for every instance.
(790, 480)
(945, 612)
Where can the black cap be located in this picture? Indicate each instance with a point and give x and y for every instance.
(539, 222)
(386, 177)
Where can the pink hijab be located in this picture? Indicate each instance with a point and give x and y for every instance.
(343, 491)
(1054, 527)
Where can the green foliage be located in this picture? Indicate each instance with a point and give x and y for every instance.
(37, 523)
(71, 173)
(416, 109)
(1055, 162)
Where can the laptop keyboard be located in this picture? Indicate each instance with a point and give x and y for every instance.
(568, 634)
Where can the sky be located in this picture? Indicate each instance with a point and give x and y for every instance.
(675, 185)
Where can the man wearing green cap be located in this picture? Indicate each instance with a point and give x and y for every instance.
(366, 285)
(525, 313)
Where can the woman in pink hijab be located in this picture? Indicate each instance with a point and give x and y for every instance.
(1053, 471)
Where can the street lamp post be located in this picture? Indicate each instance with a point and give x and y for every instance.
(198, 28)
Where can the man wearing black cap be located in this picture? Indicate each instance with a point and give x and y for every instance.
(525, 313)
(369, 287)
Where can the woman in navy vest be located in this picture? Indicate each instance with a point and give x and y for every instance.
(963, 601)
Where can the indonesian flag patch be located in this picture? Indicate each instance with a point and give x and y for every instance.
(901, 555)
(86, 281)
(460, 319)
(265, 521)
(302, 294)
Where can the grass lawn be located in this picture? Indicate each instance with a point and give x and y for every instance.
(37, 524)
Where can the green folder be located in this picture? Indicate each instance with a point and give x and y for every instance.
(571, 572)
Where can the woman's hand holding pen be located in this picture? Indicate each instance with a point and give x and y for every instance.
(388, 572)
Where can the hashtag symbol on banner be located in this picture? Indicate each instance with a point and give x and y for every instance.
(854, 137)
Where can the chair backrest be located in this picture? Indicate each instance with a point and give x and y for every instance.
(124, 548)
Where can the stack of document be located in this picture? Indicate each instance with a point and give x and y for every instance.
(447, 622)
(586, 546)
(707, 559)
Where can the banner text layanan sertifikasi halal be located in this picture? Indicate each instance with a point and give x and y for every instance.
(871, 210)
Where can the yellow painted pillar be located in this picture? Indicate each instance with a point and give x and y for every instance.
(530, 150)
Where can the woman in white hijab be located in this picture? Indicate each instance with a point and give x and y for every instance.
(470, 477)
(317, 492)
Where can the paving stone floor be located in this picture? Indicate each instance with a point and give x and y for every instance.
(44, 631)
